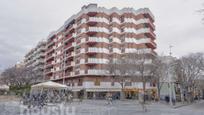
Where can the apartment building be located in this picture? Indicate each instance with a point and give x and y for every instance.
(35, 58)
(77, 53)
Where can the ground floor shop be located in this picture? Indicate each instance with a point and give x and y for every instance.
(95, 87)
(133, 93)
(129, 93)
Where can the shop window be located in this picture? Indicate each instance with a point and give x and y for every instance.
(97, 82)
(112, 83)
(128, 84)
(80, 82)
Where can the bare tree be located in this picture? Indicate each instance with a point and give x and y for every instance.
(117, 68)
(159, 72)
(188, 69)
(201, 11)
(20, 76)
(141, 68)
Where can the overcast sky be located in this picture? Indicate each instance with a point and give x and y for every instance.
(25, 22)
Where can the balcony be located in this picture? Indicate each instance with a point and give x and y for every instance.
(53, 62)
(49, 71)
(97, 50)
(49, 57)
(71, 28)
(115, 20)
(91, 31)
(91, 40)
(150, 34)
(92, 21)
(50, 49)
(150, 24)
(53, 54)
(150, 51)
(94, 40)
(93, 61)
(70, 46)
(143, 51)
(147, 15)
(147, 22)
(39, 61)
(96, 72)
(147, 31)
(69, 74)
(150, 43)
(91, 51)
(70, 55)
(52, 70)
(70, 37)
(48, 64)
(115, 30)
(50, 42)
(92, 14)
(70, 64)
(116, 50)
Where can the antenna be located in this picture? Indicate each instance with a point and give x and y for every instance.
(170, 47)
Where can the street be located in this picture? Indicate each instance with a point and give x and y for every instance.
(100, 107)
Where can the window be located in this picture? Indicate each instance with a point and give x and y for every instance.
(128, 84)
(112, 83)
(72, 83)
(80, 82)
(78, 31)
(78, 46)
(97, 82)
(110, 39)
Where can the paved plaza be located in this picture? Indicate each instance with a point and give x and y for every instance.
(100, 107)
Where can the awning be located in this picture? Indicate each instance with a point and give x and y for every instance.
(4, 87)
(49, 85)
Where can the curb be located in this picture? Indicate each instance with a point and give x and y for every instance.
(187, 104)
(176, 107)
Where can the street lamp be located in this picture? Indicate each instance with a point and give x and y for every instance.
(170, 75)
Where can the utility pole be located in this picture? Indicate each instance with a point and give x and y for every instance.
(170, 52)
(169, 76)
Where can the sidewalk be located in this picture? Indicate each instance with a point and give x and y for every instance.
(180, 104)
(6, 98)
(177, 105)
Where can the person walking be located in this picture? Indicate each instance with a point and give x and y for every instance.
(109, 99)
(142, 101)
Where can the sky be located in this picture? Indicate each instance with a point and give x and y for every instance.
(23, 23)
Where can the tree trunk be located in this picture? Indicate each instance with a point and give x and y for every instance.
(122, 94)
(144, 97)
(158, 91)
(144, 90)
(182, 93)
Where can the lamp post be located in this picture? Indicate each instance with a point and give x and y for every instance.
(169, 76)
(169, 87)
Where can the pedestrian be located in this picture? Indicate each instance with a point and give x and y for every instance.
(70, 98)
(109, 98)
(142, 101)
